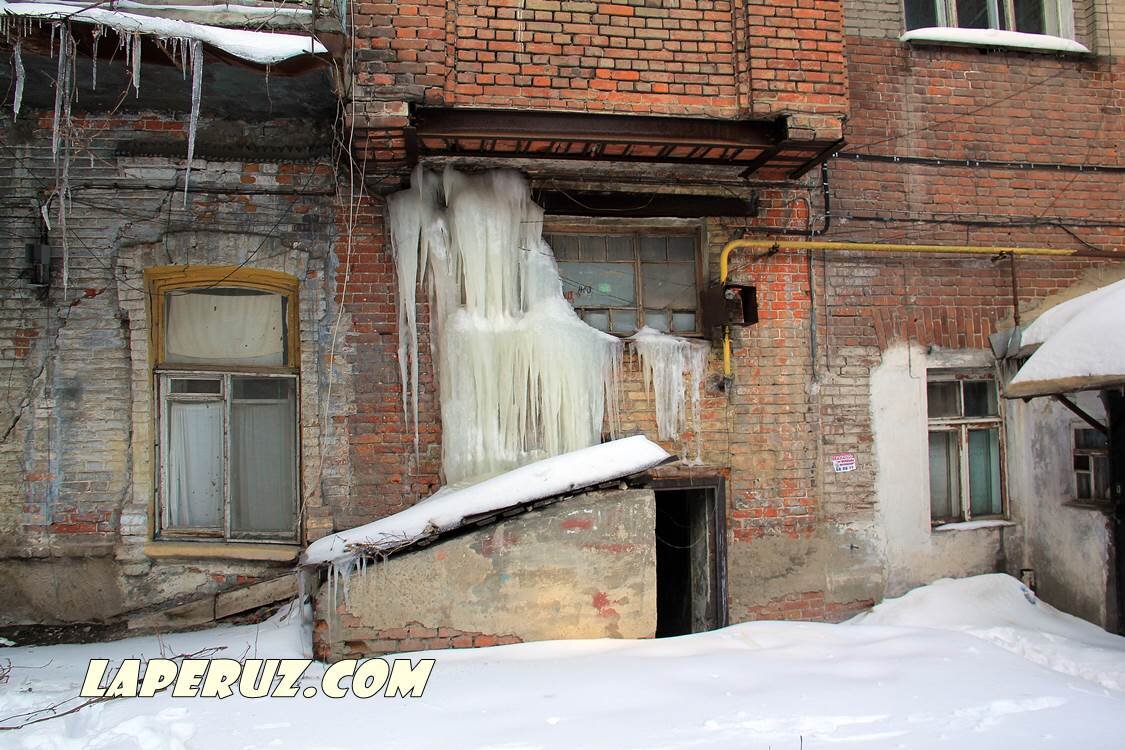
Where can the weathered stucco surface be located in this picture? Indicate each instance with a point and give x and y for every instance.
(584, 568)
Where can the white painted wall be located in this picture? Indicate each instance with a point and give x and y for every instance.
(1067, 546)
(914, 554)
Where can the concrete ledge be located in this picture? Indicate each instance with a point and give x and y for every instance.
(233, 551)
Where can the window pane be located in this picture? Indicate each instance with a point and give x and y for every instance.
(668, 285)
(984, 472)
(619, 248)
(564, 245)
(941, 399)
(194, 463)
(195, 385)
(972, 14)
(622, 321)
(225, 326)
(683, 322)
(1083, 481)
(921, 14)
(1085, 439)
(657, 319)
(592, 247)
(653, 248)
(598, 284)
(681, 249)
(263, 455)
(1101, 477)
(1029, 16)
(597, 318)
(945, 475)
(1082, 463)
(980, 398)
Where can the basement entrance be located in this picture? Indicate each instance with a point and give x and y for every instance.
(690, 595)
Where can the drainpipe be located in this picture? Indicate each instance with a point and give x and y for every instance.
(769, 247)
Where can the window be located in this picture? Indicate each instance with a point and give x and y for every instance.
(226, 392)
(966, 444)
(1091, 466)
(1028, 16)
(621, 282)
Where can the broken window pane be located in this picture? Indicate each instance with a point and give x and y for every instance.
(942, 399)
(984, 472)
(945, 475)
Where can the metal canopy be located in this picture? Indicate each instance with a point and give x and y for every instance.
(760, 148)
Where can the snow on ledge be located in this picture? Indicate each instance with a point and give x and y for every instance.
(994, 38)
(970, 525)
(256, 46)
(447, 508)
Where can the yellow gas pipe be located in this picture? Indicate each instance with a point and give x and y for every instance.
(765, 246)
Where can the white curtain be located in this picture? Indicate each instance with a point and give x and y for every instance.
(195, 465)
(225, 329)
(262, 466)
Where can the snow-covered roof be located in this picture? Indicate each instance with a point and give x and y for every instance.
(1081, 346)
(994, 38)
(448, 508)
(256, 46)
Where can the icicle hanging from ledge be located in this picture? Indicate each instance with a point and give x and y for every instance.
(665, 363)
(193, 122)
(17, 64)
(520, 376)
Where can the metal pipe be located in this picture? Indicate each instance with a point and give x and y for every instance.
(766, 247)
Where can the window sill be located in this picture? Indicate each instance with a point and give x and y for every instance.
(995, 38)
(225, 550)
(1089, 505)
(990, 523)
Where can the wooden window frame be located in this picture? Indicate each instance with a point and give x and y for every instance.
(962, 425)
(161, 281)
(1053, 22)
(636, 233)
(1075, 451)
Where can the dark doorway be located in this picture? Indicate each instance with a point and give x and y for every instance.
(689, 594)
(1114, 401)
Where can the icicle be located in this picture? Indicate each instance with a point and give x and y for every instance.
(61, 90)
(17, 63)
(137, 64)
(520, 375)
(665, 362)
(97, 33)
(193, 121)
(183, 57)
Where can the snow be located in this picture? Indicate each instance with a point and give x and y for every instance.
(520, 376)
(256, 46)
(445, 509)
(994, 38)
(970, 525)
(999, 609)
(665, 361)
(260, 12)
(1081, 347)
(758, 685)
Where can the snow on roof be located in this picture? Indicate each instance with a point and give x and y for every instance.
(256, 46)
(447, 509)
(994, 38)
(1081, 346)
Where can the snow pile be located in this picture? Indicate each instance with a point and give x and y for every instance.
(999, 609)
(757, 685)
(256, 46)
(520, 376)
(1081, 347)
(446, 508)
(673, 367)
(994, 38)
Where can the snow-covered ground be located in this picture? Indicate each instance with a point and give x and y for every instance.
(977, 663)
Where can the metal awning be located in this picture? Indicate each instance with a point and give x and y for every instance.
(762, 149)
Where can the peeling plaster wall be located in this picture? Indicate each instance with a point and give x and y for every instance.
(584, 568)
(1067, 546)
(915, 554)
